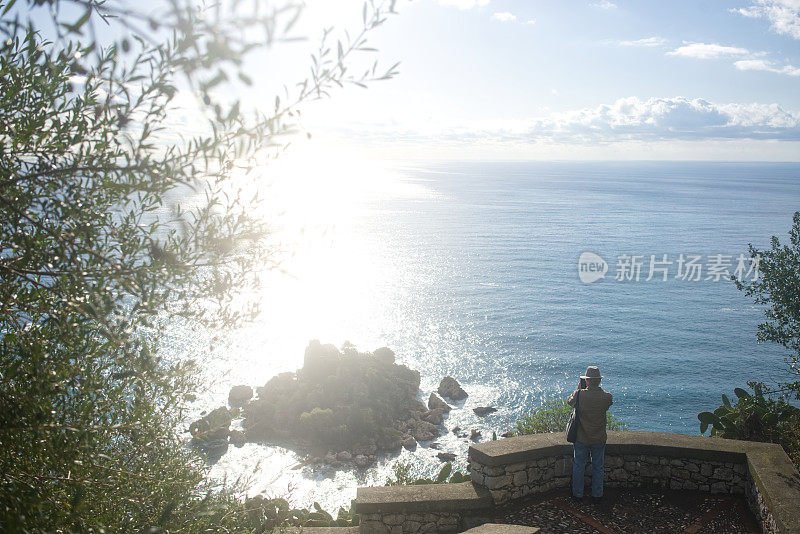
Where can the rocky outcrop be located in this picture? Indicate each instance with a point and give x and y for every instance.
(424, 431)
(213, 426)
(354, 405)
(344, 400)
(436, 403)
(237, 438)
(450, 388)
(384, 355)
(434, 417)
(239, 395)
(409, 442)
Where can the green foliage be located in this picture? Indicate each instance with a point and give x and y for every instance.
(778, 288)
(337, 400)
(262, 515)
(553, 415)
(403, 476)
(113, 226)
(756, 417)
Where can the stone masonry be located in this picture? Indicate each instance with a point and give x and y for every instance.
(512, 468)
(541, 475)
(406, 523)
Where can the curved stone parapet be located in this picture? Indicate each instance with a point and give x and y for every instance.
(515, 467)
(512, 468)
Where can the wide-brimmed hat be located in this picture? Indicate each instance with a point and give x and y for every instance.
(592, 372)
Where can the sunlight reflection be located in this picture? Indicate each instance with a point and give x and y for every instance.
(336, 282)
(335, 274)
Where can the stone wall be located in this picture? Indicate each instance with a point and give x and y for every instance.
(760, 509)
(423, 508)
(511, 468)
(506, 482)
(630, 470)
(410, 522)
(515, 467)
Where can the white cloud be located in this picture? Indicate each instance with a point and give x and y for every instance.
(628, 119)
(768, 66)
(646, 42)
(605, 4)
(676, 117)
(530, 21)
(464, 4)
(504, 16)
(783, 15)
(707, 51)
(746, 60)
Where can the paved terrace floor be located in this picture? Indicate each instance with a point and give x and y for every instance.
(624, 511)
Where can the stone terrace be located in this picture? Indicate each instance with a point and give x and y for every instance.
(508, 470)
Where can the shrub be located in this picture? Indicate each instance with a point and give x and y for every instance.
(756, 417)
(553, 415)
(403, 476)
(100, 253)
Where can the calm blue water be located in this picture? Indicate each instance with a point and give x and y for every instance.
(504, 240)
(471, 271)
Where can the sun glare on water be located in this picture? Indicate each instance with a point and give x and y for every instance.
(334, 283)
(333, 276)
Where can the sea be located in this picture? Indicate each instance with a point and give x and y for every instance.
(471, 269)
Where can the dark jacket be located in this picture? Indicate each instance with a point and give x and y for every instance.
(592, 414)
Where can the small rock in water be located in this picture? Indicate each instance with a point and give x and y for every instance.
(475, 435)
(213, 426)
(435, 445)
(446, 456)
(436, 403)
(456, 429)
(450, 388)
(482, 411)
(409, 442)
(362, 461)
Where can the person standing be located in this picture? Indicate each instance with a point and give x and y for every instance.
(591, 439)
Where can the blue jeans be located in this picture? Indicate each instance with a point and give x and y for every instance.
(582, 453)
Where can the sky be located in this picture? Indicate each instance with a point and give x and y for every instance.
(551, 80)
(560, 80)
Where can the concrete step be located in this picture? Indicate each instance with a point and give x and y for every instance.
(498, 528)
(318, 530)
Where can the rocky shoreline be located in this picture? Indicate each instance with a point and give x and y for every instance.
(342, 407)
